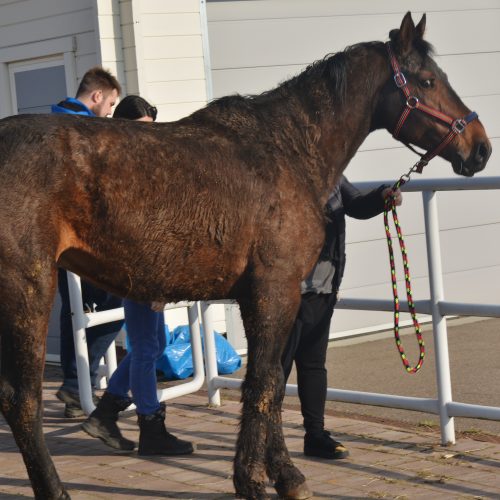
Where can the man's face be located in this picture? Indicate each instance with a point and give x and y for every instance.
(103, 102)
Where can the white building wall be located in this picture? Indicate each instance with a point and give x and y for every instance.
(36, 29)
(109, 39)
(166, 41)
(256, 44)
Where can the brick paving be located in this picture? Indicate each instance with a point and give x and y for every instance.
(385, 461)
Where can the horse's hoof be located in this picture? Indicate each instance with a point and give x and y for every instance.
(300, 492)
(64, 496)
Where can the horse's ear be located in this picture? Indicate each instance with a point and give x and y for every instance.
(420, 28)
(404, 36)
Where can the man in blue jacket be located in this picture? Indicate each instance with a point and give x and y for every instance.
(96, 96)
(308, 341)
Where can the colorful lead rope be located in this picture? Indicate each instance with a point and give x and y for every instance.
(390, 206)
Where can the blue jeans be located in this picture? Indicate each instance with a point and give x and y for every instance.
(137, 371)
(99, 337)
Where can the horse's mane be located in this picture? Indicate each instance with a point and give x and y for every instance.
(330, 70)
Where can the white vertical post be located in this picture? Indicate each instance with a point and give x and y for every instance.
(210, 354)
(196, 343)
(82, 357)
(111, 361)
(439, 321)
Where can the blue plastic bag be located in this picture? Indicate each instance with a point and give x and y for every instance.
(228, 360)
(176, 362)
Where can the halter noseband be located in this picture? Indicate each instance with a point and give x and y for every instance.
(456, 125)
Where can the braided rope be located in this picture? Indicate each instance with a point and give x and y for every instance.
(390, 206)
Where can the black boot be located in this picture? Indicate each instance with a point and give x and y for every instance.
(102, 422)
(154, 439)
(321, 444)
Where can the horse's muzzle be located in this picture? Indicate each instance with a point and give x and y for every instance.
(476, 161)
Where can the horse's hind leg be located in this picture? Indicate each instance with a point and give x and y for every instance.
(24, 313)
(261, 446)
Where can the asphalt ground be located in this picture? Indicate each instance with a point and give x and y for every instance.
(375, 366)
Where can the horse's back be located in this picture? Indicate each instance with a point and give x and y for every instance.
(188, 202)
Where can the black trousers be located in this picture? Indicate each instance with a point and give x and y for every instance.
(307, 346)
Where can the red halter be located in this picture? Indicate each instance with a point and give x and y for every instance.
(456, 125)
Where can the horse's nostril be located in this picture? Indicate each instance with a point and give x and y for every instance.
(482, 152)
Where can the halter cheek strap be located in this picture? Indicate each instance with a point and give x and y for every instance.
(456, 125)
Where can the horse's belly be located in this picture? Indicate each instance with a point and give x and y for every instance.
(194, 280)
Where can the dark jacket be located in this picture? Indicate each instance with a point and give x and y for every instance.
(345, 199)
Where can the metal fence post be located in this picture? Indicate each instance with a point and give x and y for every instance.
(210, 354)
(439, 321)
(82, 358)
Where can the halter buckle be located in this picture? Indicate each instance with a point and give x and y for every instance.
(412, 102)
(458, 126)
(399, 79)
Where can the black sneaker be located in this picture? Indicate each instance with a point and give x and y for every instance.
(73, 408)
(321, 444)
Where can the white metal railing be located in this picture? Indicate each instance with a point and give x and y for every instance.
(82, 320)
(443, 405)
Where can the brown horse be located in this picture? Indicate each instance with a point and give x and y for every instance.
(226, 203)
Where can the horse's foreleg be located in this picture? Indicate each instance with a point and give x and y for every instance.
(261, 448)
(23, 328)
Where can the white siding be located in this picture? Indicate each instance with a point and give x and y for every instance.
(27, 23)
(166, 42)
(256, 44)
(109, 38)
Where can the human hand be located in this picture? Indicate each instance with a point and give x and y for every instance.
(398, 196)
(158, 306)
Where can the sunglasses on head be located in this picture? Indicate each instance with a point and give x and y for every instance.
(152, 112)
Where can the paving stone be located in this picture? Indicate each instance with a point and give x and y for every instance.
(385, 462)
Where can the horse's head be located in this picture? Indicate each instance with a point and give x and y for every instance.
(418, 105)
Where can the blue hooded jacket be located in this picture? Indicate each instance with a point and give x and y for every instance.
(71, 106)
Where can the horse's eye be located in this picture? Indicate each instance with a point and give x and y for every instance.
(427, 84)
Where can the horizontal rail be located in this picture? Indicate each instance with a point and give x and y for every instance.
(464, 309)
(110, 315)
(473, 411)
(426, 405)
(422, 306)
(451, 184)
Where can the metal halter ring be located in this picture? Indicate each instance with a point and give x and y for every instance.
(458, 126)
(399, 79)
(412, 102)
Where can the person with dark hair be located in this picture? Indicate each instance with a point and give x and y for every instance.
(97, 94)
(134, 107)
(308, 341)
(136, 373)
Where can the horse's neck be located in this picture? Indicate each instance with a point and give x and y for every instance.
(346, 125)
